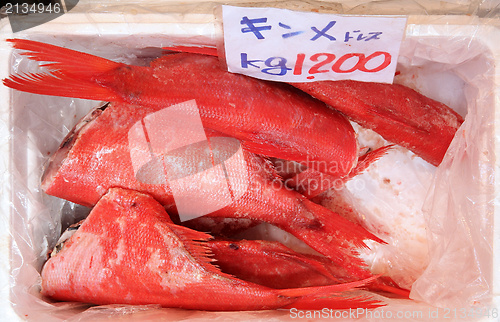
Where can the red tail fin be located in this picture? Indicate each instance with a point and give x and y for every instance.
(59, 58)
(325, 290)
(335, 303)
(333, 236)
(72, 72)
(57, 84)
(331, 296)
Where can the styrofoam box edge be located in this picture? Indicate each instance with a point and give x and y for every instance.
(486, 31)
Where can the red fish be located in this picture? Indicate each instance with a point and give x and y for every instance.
(269, 118)
(127, 251)
(96, 156)
(398, 113)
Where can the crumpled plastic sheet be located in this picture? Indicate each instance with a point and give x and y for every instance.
(441, 243)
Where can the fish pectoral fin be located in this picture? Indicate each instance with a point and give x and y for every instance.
(195, 243)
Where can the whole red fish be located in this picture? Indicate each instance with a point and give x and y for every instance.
(127, 251)
(396, 112)
(96, 156)
(269, 118)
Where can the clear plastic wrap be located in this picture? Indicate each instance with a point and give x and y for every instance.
(439, 222)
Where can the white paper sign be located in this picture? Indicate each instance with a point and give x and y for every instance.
(291, 46)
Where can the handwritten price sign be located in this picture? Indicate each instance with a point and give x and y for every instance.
(291, 46)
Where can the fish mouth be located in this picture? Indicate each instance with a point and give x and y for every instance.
(57, 159)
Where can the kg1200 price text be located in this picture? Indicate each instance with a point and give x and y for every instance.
(319, 63)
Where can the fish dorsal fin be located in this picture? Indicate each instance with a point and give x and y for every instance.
(195, 243)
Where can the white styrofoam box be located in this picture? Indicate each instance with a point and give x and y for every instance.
(32, 126)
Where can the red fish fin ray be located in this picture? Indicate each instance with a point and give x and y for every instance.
(59, 58)
(366, 160)
(394, 290)
(387, 284)
(333, 236)
(334, 222)
(326, 290)
(195, 243)
(58, 84)
(336, 303)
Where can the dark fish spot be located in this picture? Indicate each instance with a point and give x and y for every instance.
(314, 225)
(133, 204)
(234, 246)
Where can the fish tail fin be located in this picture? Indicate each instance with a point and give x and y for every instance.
(331, 296)
(336, 303)
(386, 284)
(333, 236)
(72, 73)
(327, 289)
(60, 58)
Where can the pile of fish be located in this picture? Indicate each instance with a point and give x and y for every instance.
(135, 246)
